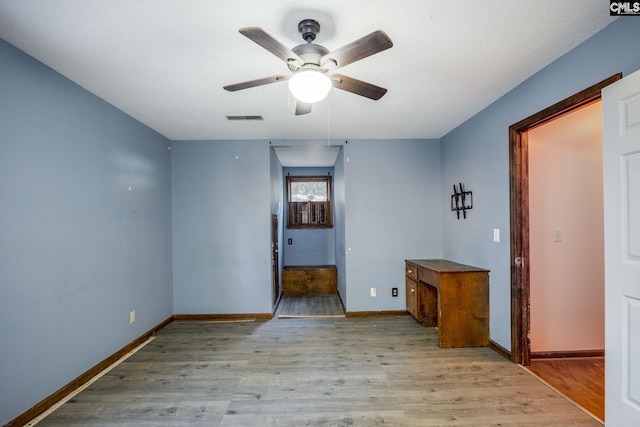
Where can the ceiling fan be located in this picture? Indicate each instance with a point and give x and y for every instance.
(311, 63)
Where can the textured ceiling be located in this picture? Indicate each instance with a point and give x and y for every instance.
(164, 62)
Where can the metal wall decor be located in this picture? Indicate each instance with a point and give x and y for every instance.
(461, 200)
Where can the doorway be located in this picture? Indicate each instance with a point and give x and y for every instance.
(525, 242)
(566, 235)
(312, 247)
(520, 220)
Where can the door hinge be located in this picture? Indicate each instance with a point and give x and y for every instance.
(519, 261)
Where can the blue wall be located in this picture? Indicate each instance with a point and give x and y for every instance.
(85, 226)
(387, 205)
(477, 154)
(392, 212)
(222, 198)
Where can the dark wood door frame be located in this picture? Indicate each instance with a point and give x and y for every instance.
(275, 261)
(519, 200)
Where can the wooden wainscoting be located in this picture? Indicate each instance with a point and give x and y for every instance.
(309, 279)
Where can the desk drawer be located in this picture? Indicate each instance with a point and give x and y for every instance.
(411, 271)
(412, 298)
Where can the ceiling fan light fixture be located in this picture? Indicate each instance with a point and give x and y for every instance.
(309, 85)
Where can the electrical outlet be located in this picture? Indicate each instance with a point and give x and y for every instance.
(373, 292)
(394, 292)
(132, 317)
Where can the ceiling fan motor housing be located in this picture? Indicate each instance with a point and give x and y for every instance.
(310, 54)
(309, 28)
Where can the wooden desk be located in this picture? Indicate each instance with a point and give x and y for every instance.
(454, 297)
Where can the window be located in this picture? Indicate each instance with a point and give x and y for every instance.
(309, 202)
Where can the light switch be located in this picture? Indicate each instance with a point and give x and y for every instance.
(557, 235)
(496, 234)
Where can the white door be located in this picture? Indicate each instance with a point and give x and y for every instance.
(621, 145)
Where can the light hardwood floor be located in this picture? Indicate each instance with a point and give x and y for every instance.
(580, 379)
(314, 372)
(314, 305)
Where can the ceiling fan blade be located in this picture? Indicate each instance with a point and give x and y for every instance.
(302, 108)
(256, 82)
(356, 50)
(358, 87)
(268, 42)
